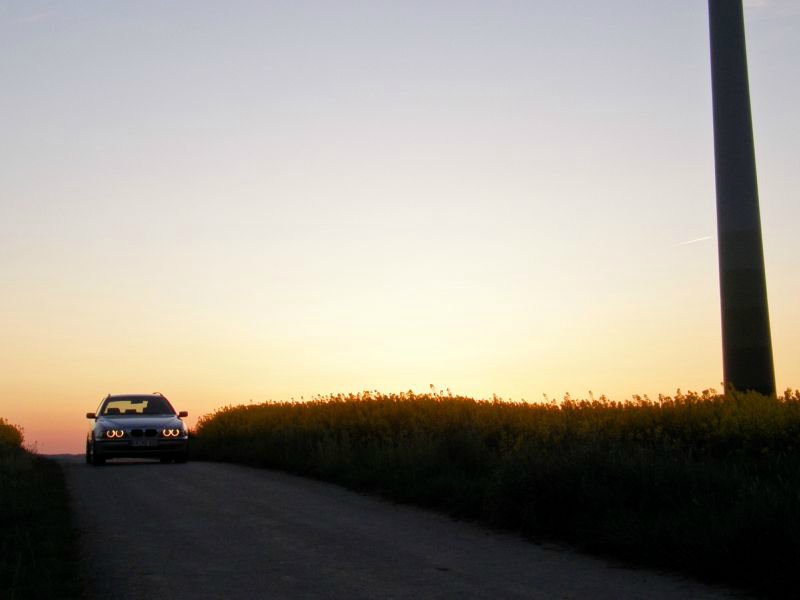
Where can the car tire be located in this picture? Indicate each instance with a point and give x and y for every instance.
(183, 458)
(165, 459)
(88, 454)
(97, 461)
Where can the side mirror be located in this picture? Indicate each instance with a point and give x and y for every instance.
(183, 413)
(91, 416)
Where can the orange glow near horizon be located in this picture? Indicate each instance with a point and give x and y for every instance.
(385, 201)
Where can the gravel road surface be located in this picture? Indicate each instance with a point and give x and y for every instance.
(210, 530)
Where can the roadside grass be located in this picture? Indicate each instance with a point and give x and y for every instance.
(38, 550)
(701, 483)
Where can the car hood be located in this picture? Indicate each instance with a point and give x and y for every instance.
(143, 421)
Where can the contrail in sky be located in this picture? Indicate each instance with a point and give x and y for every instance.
(700, 239)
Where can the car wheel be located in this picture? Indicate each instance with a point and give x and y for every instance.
(97, 460)
(182, 458)
(88, 454)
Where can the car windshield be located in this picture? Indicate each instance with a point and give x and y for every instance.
(133, 405)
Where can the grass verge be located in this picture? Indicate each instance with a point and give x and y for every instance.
(705, 484)
(38, 550)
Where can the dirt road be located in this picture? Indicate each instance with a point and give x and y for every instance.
(208, 530)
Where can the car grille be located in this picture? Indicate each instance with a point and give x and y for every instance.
(144, 432)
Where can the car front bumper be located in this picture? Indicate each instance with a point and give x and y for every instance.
(126, 449)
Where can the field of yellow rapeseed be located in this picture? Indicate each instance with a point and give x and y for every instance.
(706, 483)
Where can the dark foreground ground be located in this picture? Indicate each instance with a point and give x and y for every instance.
(213, 530)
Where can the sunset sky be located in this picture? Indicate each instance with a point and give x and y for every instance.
(242, 201)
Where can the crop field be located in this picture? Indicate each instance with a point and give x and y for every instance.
(38, 550)
(703, 483)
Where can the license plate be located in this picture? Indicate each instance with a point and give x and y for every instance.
(144, 443)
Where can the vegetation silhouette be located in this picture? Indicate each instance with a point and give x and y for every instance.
(38, 545)
(703, 483)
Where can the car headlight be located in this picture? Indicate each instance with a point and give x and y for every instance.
(113, 434)
(171, 433)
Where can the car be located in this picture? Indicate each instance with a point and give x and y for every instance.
(137, 426)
